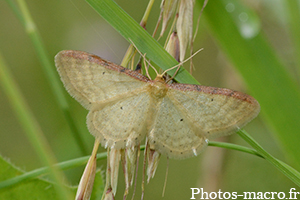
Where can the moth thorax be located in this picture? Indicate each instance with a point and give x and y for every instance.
(158, 89)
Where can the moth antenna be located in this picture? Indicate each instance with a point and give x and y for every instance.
(166, 177)
(144, 56)
(174, 74)
(181, 63)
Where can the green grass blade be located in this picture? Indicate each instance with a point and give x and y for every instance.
(293, 8)
(45, 170)
(130, 29)
(30, 126)
(32, 189)
(287, 170)
(48, 67)
(16, 10)
(235, 147)
(264, 73)
(284, 168)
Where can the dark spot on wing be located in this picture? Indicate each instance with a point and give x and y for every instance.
(212, 99)
(181, 120)
(121, 108)
(103, 73)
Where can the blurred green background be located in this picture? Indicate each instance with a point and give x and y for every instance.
(75, 25)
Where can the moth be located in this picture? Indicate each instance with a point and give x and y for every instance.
(126, 106)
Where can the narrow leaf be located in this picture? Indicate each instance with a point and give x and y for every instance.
(264, 73)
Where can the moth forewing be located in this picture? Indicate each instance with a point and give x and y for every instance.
(92, 80)
(215, 111)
